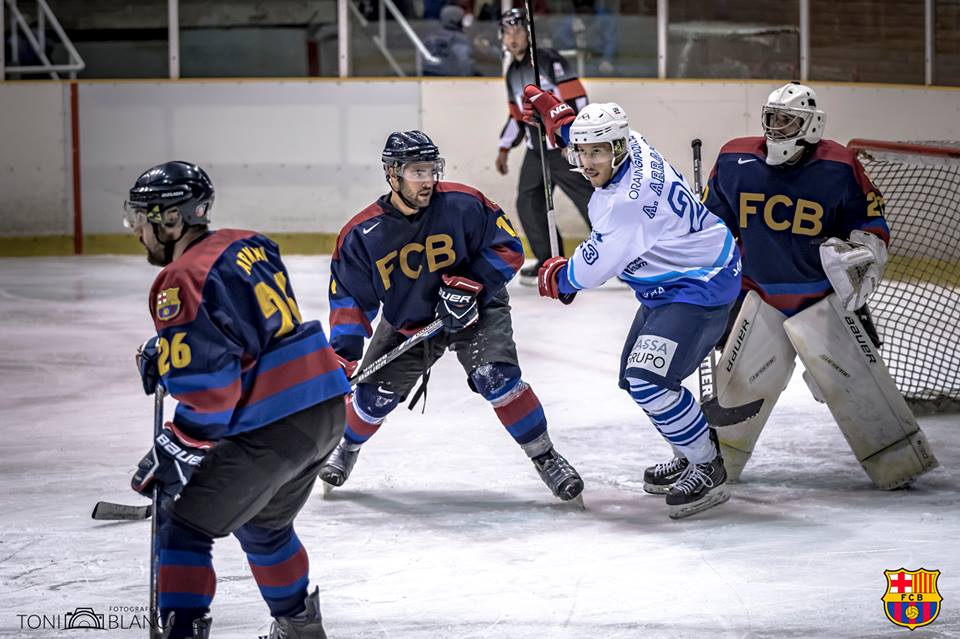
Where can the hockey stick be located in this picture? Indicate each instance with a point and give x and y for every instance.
(153, 628)
(110, 511)
(716, 414)
(426, 332)
(541, 138)
(708, 365)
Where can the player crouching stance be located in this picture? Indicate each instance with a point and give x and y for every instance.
(261, 405)
(431, 249)
(651, 232)
(815, 245)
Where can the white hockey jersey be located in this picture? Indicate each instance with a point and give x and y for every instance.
(652, 232)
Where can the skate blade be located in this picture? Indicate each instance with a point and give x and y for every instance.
(653, 489)
(576, 502)
(327, 488)
(713, 498)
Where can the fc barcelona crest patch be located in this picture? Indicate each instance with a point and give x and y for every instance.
(912, 599)
(168, 303)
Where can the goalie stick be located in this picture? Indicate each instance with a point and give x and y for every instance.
(716, 414)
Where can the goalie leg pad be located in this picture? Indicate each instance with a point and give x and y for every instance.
(872, 415)
(756, 363)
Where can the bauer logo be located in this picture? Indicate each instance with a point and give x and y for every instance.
(652, 353)
(911, 599)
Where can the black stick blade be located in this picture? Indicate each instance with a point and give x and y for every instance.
(109, 511)
(719, 416)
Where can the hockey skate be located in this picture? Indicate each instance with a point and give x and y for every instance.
(336, 469)
(560, 477)
(307, 625)
(201, 627)
(699, 487)
(658, 479)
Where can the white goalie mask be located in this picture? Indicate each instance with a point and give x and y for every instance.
(600, 122)
(790, 119)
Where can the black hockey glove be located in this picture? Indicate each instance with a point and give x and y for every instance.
(170, 462)
(458, 303)
(148, 356)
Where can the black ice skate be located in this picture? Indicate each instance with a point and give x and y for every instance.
(336, 469)
(699, 487)
(560, 477)
(201, 627)
(529, 274)
(307, 625)
(658, 479)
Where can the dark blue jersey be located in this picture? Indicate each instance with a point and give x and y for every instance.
(233, 348)
(781, 214)
(385, 257)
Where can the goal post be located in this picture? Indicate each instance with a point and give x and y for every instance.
(917, 306)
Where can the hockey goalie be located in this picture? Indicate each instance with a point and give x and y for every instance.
(814, 244)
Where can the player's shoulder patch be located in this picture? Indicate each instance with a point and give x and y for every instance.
(168, 304)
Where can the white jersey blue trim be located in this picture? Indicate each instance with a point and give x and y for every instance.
(652, 232)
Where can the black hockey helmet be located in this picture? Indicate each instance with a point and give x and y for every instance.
(173, 185)
(409, 146)
(513, 18)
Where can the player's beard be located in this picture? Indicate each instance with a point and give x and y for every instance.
(420, 196)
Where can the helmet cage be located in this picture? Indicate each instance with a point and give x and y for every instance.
(795, 127)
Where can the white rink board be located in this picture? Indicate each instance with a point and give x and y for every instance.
(284, 156)
(303, 155)
(35, 187)
(444, 530)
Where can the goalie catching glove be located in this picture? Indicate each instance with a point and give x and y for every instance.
(172, 460)
(458, 303)
(554, 112)
(854, 266)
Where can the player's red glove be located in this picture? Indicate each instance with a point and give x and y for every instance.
(547, 280)
(554, 112)
(348, 366)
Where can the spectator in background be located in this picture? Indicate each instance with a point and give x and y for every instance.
(591, 27)
(450, 45)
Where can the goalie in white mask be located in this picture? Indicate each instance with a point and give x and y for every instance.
(814, 241)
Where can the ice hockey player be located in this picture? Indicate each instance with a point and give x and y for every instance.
(260, 405)
(432, 249)
(558, 77)
(651, 232)
(814, 244)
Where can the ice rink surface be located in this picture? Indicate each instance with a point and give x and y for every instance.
(444, 529)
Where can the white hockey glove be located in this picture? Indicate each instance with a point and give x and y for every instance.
(854, 266)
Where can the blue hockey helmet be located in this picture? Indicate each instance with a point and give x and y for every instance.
(178, 186)
(409, 146)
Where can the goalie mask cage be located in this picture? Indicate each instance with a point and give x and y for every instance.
(917, 305)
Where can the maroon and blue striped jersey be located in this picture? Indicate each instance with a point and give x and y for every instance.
(781, 214)
(385, 257)
(234, 350)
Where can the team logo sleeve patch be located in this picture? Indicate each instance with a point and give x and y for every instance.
(168, 303)
(911, 599)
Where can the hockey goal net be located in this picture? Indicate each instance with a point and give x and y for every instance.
(917, 306)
